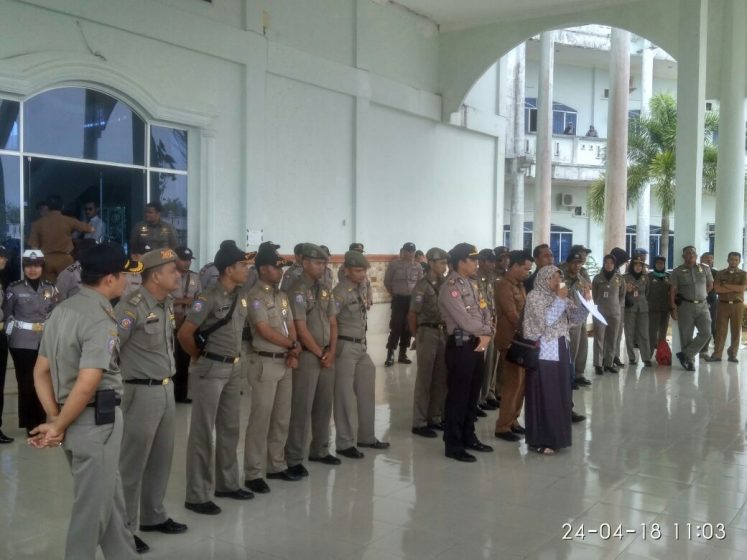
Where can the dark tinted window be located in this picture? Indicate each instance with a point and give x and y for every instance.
(170, 190)
(10, 215)
(168, 148)
(9, 124)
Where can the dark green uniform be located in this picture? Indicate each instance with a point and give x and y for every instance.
(658, 308)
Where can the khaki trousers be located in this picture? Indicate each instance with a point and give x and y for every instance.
(267, 431)
(729, 316)
(355, 399)
(691, 316)
(605, 341)
(430, 380)
(488, 380)
(579, 348)
(636, 332)
(512, 395)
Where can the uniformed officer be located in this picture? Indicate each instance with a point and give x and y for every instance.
(367, 283)
(133, 281)
(691, 283)
(658, 303)
(706, 259)
(274, 354)
(502, 264)
(355, 372)
(218, 315)
(153, 231)
(53, 235)
(145, 322)
(577, 283)
(486, 277)
(184, 295)
(68, 281)
(296, 269)
(730, 284)
(78, 382)
(328, 278)
(608, 292)
(425, 322)
(3, 348)
(26, 307)
(314, 313)
(469, 330)
(621, 259)
(399, 280)
(636, 311)
(208, 274)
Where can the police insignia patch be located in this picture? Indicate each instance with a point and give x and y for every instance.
(125, 323)
(300, 298)
(454, 294)
(419, 298)
(256, 304)
(197, 306)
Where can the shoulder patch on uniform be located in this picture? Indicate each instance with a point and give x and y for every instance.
(197, 305)
(125, 324)
(454, 294)
(300, 298)
(16, 283)
(256, 304)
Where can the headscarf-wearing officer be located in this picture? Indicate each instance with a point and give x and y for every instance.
(367, 283)
(296, 269)
(184, 296)
(425, 322)
(469, 329)
(636, 311)
(691, 283)
(26, 307)
(3, 348)
(314, 311)
(399, 280)
(216, 375)
(145, 322)
(730, 284)
(658, 303)
(153, 231)
(355, 372)
(486, 277)
(78, 381)
(621, 258)
(608, 292)
(274, 354)
(576, 282)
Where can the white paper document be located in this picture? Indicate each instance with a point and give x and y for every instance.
(592, 307)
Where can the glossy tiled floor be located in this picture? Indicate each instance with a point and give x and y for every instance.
(660, 447)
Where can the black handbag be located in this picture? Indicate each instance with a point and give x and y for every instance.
(522, 351)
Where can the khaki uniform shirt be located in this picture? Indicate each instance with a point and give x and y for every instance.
(658, 292)
(350, 303)
(189, 287)
(462, 307)
(366, 285)
(510, 298)
(133, 281)
(208, 276)
(639, 296)
(146, 336)
(609, 295)
(24, 303)
(269, 305)
(68, 281)
(157, 236)
(211, 306)
(293, 273)
(54, 233)
(314, 303)
(727, 276)
(424, 301)
(691, 283)
(400, 277)
(82, 334)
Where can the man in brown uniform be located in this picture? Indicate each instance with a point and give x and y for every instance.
(399, 280)
(730, 284)
(152, 231)
(53, 234)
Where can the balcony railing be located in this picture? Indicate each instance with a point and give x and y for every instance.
(571, 150)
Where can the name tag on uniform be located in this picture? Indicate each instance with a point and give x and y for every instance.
(635, 293)
(151, 318)
(605, 294)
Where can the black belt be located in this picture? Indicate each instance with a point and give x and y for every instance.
(432, 325)
(219, 358)
(351, 339)
(117, 402)
(692, 300)
(164, 381)
(272, 354)
(451, 339)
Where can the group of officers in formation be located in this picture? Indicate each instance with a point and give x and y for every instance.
(105, 379)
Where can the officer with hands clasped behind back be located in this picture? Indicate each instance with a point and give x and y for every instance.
(78, 382)
(145, 322)
(469, 329)
(216, 321)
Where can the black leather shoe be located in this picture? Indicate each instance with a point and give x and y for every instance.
(611, 369)
(487, 406)
(507, 436)
(239, 494)
(286, 475)
(327, 460)
(632, 363)
(140, 546)
(424, 431)
(733, 359)
(617, 362)
(5, 439)
(351, 453)
(493, 402)
(298, 469)
(576, 418)
(646, 363)
(205, 508)
(375, 445)
(389, 358)
(583, 382)
(682, 358)
(257, 485)
(184, 401)
(440, 426)
(598, 370)
(461, 455)
(169, 527)
(480, 414)
(690, 366)
(479, 446)
(403, 359)
(518, 429)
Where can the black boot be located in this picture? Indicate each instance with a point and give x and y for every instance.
(389, 358)
(403, 359)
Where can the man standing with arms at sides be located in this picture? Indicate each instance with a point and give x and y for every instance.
(152, 231)
(367, 283)
(313, 308)
(579, 350)
(486, 277)
(295, 271)
(469, 329)
(729, 284)
(706, 259)
(184, 296)
(399, 280)
(53, 235)
(691, 283)
(542, 256)
(145, 322)
(78, 382)
(425, 322)
(275, 351)
(217, 317)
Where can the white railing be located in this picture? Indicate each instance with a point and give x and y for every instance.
(571, 150)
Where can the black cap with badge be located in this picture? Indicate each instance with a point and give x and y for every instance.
(463, 251)
(228, 255)
(184, 253)
(409, 247)
(268, 255)
(487, 255)
(107, 258)
(575, 257)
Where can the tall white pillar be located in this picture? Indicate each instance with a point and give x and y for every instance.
(615, 198)
(517, 151)
(543, 180)
(731, 133)
(691, 76)
(644, 202)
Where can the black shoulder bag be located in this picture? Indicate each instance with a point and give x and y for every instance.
(201, 337)
(523, 352)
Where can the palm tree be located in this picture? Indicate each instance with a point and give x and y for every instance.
(651, 159)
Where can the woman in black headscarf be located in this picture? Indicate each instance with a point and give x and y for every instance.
(636, 313)
(608, 291)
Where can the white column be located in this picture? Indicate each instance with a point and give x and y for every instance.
(691, 76)
(543, 180)
(644, 202)
(517, 152)
(615, 199)
(731, 133)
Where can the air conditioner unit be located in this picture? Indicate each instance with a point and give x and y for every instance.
(566, 200)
